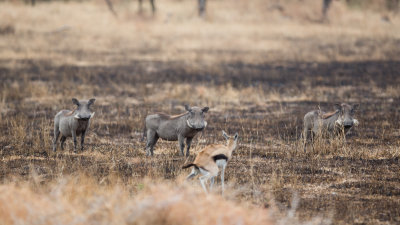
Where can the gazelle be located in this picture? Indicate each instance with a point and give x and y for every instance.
(211, 159)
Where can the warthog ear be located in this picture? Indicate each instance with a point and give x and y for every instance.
(236, 136)
(338, 106)
(225, 135)
(355, 106)
(91, 101)
(75, 101)
(187, 107)
(205, 109)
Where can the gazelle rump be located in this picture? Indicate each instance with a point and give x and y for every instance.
(211, 159)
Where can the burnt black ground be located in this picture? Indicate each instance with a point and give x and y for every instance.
(355, 187)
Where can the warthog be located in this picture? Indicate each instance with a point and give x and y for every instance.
(174, 128)
(72, 123)
(330, 124)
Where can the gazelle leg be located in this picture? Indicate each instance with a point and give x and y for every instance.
(223, 178)
(212, 183)
(203, 179)
(192, 174)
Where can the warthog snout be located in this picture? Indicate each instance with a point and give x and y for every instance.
(86, 116)
(345, 123)
(198, 126)
(348, 124)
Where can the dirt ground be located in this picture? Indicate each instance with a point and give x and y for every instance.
(253, 91)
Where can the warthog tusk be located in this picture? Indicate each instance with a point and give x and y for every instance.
(189, 125)
(91, 115)
(355, 122)
(77, 117)
(339, 122)
(205, 124)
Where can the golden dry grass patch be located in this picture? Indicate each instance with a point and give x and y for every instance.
(48, 30)
(81, 200)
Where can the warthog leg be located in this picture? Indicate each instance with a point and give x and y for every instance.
(74, 138)
(82, 139)
(56, 135)
(308, 136)
(62, 140)
(181, 140)
(152, 139)
(188, 144)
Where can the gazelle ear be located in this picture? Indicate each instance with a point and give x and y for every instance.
(187, 108)
(75, 101)
(225, 135)
(236, 136)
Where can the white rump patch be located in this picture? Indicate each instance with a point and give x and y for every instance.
(356, 123)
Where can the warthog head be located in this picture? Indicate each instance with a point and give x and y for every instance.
(83, 111)
(195, 120)
(346, 113)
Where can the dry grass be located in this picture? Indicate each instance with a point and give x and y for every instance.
(81, 200)
(97, 38)
(258, 68)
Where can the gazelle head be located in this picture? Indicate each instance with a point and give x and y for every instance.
(231, 140)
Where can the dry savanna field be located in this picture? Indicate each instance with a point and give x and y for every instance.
(259, 65)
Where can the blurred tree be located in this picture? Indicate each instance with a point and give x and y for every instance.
(325, 6)
(392, 5)
(153, 6)
(202, 7)
(110, 7)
